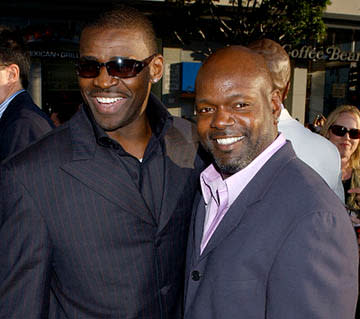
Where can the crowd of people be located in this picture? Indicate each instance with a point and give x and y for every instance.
(124, 211)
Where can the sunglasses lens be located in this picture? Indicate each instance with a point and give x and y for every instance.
(354, 134)
(88, 69)
(338, 130)
(123, 68)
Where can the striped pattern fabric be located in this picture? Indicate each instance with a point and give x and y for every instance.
(77, 239)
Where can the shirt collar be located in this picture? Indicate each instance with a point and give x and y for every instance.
(211, 180)
(5, 104)
(284, 115)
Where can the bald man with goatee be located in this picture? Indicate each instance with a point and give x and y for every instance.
(268, 238)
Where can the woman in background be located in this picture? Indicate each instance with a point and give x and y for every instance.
(342, 128)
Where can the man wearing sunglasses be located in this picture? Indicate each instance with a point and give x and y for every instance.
(94, 217)
(312, 148)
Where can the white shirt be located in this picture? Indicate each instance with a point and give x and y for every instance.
(315, 150)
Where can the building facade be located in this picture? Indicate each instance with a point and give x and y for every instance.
(322, 77)
(328, 76)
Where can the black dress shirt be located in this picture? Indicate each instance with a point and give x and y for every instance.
(147, 174)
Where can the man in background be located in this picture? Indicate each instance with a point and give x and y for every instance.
(21, 120)
(312, 148)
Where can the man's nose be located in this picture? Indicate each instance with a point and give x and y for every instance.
(104, 80)
(222, 119)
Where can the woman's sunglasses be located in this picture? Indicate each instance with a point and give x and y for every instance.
(340, 130)
(120, 68)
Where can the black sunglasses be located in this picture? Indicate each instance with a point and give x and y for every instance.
(340, 130)
(120, 68)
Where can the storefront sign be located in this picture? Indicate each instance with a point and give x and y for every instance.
(332, 53)
(54, 54)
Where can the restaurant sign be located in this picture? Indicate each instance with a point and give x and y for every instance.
(54, 54)
(331, 53)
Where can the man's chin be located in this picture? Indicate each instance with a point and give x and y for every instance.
(227, 168)
(231, 166)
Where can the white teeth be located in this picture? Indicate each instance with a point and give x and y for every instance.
(108, 100)
(229, 140)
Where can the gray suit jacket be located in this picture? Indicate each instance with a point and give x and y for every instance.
(285, 250)
(78, 239)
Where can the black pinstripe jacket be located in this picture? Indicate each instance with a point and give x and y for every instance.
(77, 239)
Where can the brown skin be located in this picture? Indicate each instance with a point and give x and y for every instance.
(124, 120)
(235, 99)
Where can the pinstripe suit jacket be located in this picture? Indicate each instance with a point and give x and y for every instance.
(77, 239)
(22, 123)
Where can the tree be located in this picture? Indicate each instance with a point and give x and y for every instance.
(241, 22)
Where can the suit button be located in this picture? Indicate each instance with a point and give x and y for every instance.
(195, 275)
(164, 290)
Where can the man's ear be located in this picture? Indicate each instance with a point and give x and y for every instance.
(276, 104)
(13, 73)
(157, 68)
(285, 92)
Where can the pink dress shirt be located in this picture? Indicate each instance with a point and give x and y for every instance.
(219, 194)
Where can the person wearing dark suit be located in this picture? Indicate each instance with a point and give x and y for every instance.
(21, 120)
(268, 237)
(94, 217)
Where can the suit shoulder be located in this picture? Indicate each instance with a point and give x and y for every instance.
(23, 108)
(31, 118)
(183, 124)
(54, 144)
(306, 185)
(184, 129)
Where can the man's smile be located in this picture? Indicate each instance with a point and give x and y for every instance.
(229, 140)
(108, 100)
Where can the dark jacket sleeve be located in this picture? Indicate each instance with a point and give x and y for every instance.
(24, 252)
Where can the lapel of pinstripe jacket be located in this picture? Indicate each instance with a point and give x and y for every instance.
(92, 166)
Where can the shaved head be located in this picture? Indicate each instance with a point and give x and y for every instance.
(235, 59)
(237, 107)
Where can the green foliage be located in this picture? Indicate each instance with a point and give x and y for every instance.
(241, 22)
